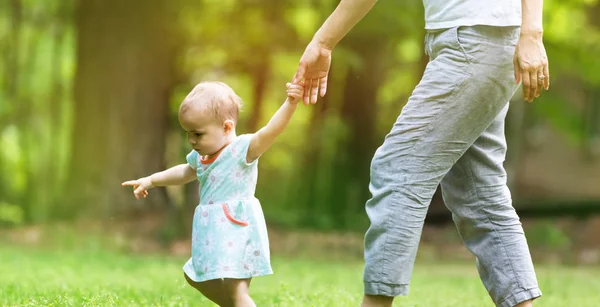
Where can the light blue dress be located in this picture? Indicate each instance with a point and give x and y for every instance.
(229, 234)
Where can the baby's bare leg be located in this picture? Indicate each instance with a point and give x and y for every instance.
(213, 290)
(238, 291)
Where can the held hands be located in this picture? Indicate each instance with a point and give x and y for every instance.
(314, 69)
(140, 186)
(531, 65)
(294, 92)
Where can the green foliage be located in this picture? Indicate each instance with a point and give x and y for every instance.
(10, 214)
(236, 41)
(548, 234)
(37, 70)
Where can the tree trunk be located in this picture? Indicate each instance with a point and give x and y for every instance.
(48, 193)
(309, 183)
(359, 113)
(592, 123)
(10, 57)
(259, 86)
(124, 78)
(30, 202)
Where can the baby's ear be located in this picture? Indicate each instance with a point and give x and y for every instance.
(228, 125)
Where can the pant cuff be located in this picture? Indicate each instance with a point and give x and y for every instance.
(378, 288)
(521, 296)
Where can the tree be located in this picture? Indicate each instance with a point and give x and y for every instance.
(372, 43)
(125, 54)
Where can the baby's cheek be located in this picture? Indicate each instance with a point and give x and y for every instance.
(207, 142)
(210, 146)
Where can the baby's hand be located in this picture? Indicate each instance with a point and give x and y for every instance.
(140, 186)
(295, 92)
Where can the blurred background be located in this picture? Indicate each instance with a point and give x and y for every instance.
(89, 92)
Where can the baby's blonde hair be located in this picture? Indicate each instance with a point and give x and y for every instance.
(215, 97)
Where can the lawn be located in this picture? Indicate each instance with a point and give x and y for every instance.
(43, 277)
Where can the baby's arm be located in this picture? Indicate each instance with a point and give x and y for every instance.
(264, 138)
(176, 175)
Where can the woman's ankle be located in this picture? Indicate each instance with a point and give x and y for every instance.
(525, 304)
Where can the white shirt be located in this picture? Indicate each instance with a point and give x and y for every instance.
(443, 14)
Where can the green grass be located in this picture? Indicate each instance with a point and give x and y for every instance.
(41, 277)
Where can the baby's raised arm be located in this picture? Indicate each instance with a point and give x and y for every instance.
(264, 138)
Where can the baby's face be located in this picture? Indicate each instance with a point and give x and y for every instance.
(205, 134)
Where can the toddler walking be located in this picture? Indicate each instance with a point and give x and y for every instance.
(229, 235)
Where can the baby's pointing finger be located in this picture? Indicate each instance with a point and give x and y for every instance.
(129, 183)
